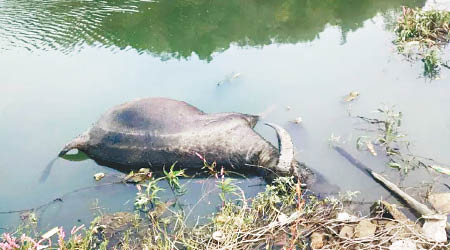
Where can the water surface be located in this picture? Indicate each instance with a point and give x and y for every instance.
(64, 63)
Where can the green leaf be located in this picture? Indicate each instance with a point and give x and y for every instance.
(394, 165)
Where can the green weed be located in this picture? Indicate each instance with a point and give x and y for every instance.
(172, 178)
(149, 196)
(388, 138)
(427, 32)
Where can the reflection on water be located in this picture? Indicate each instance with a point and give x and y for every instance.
(78, 156)
(178, 28)
(302, 54)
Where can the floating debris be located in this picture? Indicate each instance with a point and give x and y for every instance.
(297, 120)
(371, 149)
(50, 233)
(142, 175)
(334, 139)
(229, 78)
(99, 176)
(440, 169)
(351, 96)
(235, 76)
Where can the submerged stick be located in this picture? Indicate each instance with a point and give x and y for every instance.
(418, 207)
(353, 161)
(413, 203)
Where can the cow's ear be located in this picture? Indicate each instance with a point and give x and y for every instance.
(252, 120)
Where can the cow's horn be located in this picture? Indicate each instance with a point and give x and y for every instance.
(286, 148)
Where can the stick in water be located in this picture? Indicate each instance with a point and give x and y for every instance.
(418, 207)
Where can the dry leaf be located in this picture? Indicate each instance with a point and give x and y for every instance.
(235, 76)
(297, 120)
(99, 176)
(351, 96)
(371, 149)
(440, 169)
(142, 175)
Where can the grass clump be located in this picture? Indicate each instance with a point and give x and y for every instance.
(275, 217)
(281, 217)
(429, 27)
(388, 138)
(423, 33)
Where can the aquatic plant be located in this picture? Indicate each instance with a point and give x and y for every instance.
(226, 186)
(388, 130)
(172, 178)
(425, 33)
(388, 138)
(149, 196)
(432, 63)
(428, 27)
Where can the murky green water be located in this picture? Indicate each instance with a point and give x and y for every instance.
(63, 63)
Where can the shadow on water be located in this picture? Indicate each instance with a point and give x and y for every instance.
(321, 186)
(179, 28)
(47, 170)
(78, 156)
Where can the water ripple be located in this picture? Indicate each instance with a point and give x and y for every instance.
(178, 28)
(56, 25)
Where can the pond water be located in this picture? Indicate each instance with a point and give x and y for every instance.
(64, 62)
